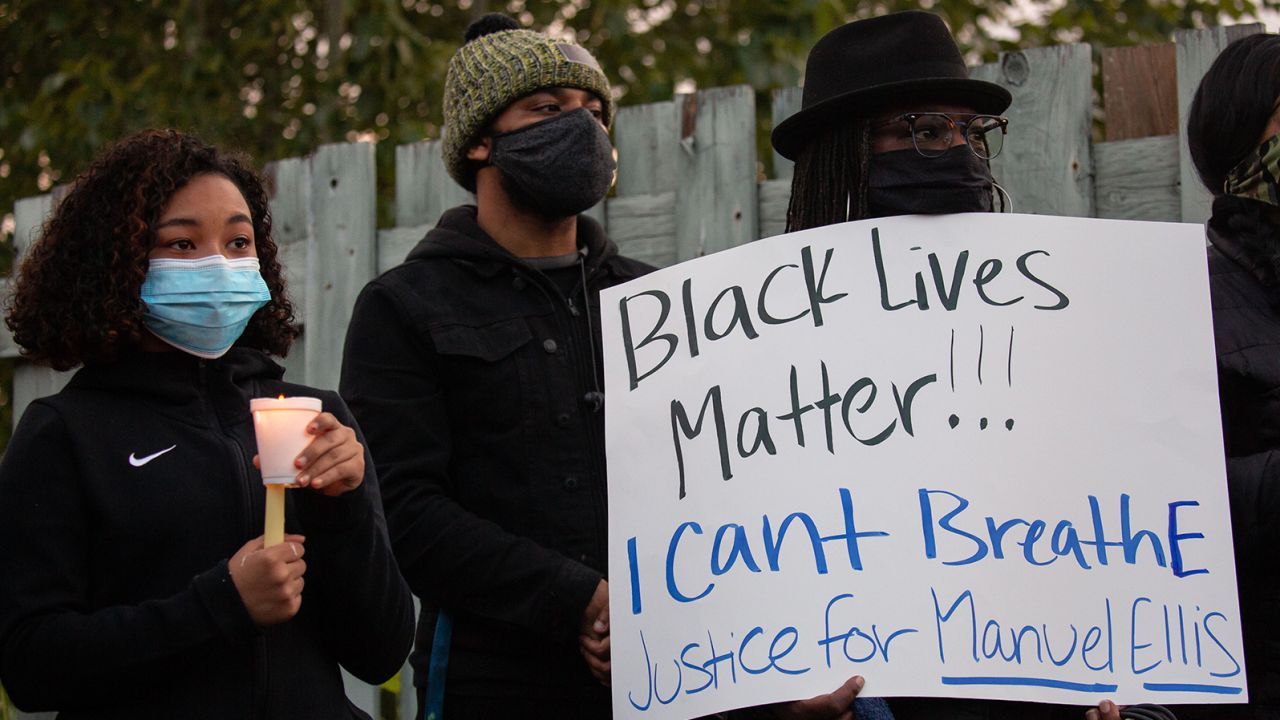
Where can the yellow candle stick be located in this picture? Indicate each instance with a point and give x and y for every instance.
(274, 532)
(280, 425)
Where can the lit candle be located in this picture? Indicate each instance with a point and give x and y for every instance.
(281, 427)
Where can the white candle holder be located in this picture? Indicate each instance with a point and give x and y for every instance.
(281, 427)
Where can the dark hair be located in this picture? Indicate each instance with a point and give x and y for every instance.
(488, 24)
(76, 299)
(1231, 108)
(829, 183)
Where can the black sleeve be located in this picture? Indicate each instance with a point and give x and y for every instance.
(451, 557)
(54, 651)
(1253, 490)
(365, 608)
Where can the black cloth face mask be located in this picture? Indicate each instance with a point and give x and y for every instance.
(558, 167)
(904, 182)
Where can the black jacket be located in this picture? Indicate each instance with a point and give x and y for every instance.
(1244, 280)
(115, 600)
(476, 379)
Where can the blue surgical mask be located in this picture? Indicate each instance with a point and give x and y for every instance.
(202, 306)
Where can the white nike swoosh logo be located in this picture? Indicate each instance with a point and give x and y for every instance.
(139, 462)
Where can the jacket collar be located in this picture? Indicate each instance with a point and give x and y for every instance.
(175, 380)
(1239, 230)
(459, 237)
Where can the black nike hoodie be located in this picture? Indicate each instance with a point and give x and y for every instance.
(122, 498)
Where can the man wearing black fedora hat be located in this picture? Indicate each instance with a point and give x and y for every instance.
(890, 124)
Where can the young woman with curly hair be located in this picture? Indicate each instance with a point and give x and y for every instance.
(134, 585)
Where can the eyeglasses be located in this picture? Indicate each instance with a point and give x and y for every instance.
(931, 132)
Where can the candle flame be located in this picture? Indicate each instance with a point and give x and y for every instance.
(280, 396)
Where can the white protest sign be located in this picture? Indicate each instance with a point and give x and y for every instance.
(968, 456)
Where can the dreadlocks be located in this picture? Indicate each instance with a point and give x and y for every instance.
(829, 184)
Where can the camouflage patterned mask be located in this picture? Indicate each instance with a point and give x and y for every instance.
(1257, 177)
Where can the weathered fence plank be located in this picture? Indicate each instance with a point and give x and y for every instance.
(641, 217)
(289, 182)
(775, 196)
(647, 138)
(29, 215)
(716, 206)
(1138, 179)
(424, 189)
(786, 102)
(1140, 91)
(1196, 51)
(395, 243)
(361, 694)
(344, 256)
(1046, 164)
(643, 226)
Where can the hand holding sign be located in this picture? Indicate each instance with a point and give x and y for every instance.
(593, 635)
(836, 705)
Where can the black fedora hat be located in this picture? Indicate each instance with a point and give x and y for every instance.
(865, 65)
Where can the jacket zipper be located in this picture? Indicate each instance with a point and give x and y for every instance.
(246, 526)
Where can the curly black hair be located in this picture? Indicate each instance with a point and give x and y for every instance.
(77, 296)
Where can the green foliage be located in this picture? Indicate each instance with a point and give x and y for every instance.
(7, 710)
(279, 77)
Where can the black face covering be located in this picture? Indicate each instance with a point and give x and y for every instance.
(557, 167)
(904, 182)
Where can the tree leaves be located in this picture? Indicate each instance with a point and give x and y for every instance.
(279, 77)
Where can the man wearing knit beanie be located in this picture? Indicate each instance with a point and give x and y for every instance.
(474, 370)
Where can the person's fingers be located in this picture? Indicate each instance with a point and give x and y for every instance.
(598, 666)
(336, 474)
(329, 433)
(291, 550)
(831, 704)
(601, 677)
(598, 647)
(257, 464)
(1092, 714)
(326, 451)
(323, 423)
(845, 694)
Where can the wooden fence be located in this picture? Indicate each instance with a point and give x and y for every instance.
(689, 184)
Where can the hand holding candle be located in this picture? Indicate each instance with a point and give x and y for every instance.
(333, 463)
(281, 428)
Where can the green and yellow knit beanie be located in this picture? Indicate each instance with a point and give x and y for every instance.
(499, 63)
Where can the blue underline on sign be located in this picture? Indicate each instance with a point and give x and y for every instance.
(1030, 682)
(1188, 687)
